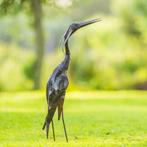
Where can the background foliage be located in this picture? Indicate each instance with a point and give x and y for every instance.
(109, 55)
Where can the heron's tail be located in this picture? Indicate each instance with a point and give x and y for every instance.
(49, 117)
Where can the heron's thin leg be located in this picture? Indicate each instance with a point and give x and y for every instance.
(53, 129)
(64, 126)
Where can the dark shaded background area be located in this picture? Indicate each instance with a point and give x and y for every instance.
(109, 55)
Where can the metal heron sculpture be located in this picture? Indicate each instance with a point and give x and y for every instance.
(58, 82)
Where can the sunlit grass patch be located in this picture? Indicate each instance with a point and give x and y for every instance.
(103, 119)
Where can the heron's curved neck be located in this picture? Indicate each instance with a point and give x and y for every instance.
(67, 51)
(65, 63)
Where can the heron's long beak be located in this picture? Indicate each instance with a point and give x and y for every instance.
(78, 26)
(83, 24)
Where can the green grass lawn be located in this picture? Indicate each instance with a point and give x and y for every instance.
(100, 119)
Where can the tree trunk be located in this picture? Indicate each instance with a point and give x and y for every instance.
(39, 41)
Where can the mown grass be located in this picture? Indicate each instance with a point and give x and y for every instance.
(92, 119)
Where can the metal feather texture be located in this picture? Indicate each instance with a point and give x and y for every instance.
(58, 82)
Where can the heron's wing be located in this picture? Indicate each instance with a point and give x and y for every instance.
(55, 98)
(49, 117)
(63, 84)
(52, 105)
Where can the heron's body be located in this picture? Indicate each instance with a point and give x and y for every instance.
(57, 85)
(58, 82)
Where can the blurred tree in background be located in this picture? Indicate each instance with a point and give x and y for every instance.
(109, 55)
(36, 11)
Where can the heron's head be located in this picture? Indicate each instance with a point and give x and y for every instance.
(76, 26)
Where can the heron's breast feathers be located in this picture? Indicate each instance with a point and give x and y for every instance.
(56, 88)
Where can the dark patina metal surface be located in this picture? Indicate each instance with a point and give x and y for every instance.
(58, 82)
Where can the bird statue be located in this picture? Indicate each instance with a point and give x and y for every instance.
(58, 82)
